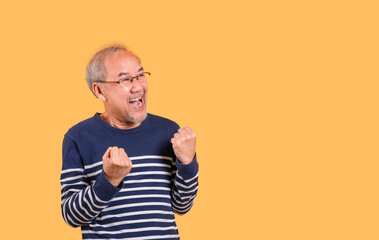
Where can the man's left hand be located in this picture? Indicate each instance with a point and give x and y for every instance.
(184, 145)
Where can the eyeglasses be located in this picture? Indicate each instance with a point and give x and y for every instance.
(127, 81)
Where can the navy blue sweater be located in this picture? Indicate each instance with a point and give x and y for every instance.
(142, 206)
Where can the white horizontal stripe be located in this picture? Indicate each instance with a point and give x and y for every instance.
(135, 173)
(77, 183)
(72, 213)
(184, 186)
(144, 188)
(151, 157)
(140, 238)
(149, 173)
(182, 198)
(91, 199)
(132, 158)
(183, 206)
(93, 165)
(140, 196)
(70, 190)
(72, 170)
(131, 230)
(72, 223)
(132, 222)
(134, 213)
(64, 201)
(190, 191)
(137, 205)
(72, 178)
(86, 201)
(179, 201)
(94, 173)
(81, 199)
(77, 211)
(137, 165)
(189, 180)
(146, 181)
(183, 211)
(64, 210)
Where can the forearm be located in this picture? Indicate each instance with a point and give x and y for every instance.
(81, 207)
(185, 186)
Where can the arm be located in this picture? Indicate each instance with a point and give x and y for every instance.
(81, 201)
(185, 171)
(185, 187)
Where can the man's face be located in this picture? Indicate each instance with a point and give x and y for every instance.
(120, 98)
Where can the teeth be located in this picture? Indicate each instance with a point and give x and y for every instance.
(135, 99)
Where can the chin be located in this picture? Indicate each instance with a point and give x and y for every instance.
(136, 118)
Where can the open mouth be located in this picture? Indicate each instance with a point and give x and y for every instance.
(136, 101)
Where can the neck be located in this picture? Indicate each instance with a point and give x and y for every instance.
(118, 122)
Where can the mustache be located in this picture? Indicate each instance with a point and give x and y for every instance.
(137, 95)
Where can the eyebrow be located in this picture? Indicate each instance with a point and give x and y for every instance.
(125, 73)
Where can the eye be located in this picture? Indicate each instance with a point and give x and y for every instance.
(125, 79)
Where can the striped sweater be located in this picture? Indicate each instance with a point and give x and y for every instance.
(143, 205)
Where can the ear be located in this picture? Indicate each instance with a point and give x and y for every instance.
(98, 91)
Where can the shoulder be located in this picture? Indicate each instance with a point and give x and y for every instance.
(81, 127)
(161, 121)
(158, 119)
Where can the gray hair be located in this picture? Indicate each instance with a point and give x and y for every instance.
(96, 69)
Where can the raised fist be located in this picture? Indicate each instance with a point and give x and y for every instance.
(184, 145)
(116, 165)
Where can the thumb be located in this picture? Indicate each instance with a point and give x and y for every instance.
(107, 153)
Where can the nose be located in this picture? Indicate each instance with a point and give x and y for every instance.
(136, 86)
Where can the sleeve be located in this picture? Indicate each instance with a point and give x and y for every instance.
(185, 185)
(81, 201)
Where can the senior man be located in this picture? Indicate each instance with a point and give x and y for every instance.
(125, 171)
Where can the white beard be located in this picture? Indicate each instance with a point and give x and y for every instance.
(130, 118)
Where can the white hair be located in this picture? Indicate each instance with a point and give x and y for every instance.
(95, 71)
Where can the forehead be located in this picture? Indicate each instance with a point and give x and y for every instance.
(121, 62)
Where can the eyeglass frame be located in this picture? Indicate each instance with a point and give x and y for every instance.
(131, 79)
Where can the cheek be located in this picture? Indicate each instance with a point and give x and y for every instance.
(119, 97)
(145, 88)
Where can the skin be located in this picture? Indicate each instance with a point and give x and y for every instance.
(118, 112)
(184, 145)
(121, 114)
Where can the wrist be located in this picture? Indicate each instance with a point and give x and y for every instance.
(188, 171)
(114, 181)
(186, 160)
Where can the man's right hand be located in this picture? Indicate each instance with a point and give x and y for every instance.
(116, 165)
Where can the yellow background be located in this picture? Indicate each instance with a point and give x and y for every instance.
(283, 96)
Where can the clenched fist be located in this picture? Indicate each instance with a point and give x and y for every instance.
(184, 145)
(116, 165)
